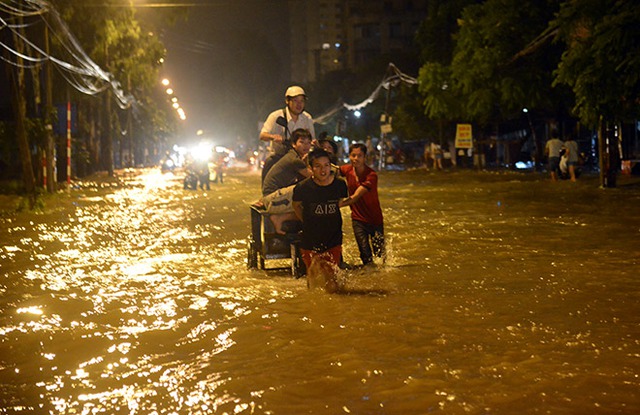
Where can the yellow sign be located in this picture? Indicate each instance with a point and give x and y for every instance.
(464, 138)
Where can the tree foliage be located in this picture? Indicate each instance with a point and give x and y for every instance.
(491, 84)
(601, 62)
(502, 59)
(131, 51)
(440, 100)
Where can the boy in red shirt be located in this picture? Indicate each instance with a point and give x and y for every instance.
(366, 213)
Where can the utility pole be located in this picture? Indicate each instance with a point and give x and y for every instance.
(130, 126)
(608, 139)
(107, 123)
(49, 148)
(385, 127)
(68, 141)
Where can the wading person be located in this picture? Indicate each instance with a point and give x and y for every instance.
(317, 202)
(366, 213)
(571, 147)
(277, 135)
(279, 182)
(332, 150)
(552, 151)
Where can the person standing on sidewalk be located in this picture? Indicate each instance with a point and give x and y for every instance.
(277, 135)
(366, 213)
(552, 151)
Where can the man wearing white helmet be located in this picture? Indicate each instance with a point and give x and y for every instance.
(277, 135)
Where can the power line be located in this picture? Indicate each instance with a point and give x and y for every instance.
(392, 77)
(80, 71)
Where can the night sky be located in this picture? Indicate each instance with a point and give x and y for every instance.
(229, 66)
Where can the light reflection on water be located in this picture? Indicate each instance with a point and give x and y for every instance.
(502, 294)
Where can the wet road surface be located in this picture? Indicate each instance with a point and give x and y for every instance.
(503, 293)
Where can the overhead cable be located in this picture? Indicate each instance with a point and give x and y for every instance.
(80, 71)
(392, 77)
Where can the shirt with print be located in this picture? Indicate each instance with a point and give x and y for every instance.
(321, 217)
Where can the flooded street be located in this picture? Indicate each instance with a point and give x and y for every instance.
(503, 293)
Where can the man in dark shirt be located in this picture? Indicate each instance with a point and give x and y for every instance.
(279, 182)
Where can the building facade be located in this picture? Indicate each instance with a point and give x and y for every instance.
(328, 35)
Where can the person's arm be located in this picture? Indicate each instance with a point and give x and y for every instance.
(306, 172)
(360, 191)
(347, 201)
(265, 136)
(297, 208)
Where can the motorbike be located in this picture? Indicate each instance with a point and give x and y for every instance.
(167, 165)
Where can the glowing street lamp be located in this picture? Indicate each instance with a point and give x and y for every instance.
(165, 82)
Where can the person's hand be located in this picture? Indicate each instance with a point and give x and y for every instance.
(345, 202)
(277, 138)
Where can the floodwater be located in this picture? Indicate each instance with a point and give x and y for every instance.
(503, 293)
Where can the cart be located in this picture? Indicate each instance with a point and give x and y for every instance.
(266, 245)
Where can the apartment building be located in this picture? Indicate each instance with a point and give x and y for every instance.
(328, 35)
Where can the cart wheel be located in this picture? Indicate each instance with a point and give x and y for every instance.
(298, 268)
(261, 261)
(252, 255)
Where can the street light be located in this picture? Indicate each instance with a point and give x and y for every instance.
(165, 82)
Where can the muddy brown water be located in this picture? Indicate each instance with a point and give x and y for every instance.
(503, 293)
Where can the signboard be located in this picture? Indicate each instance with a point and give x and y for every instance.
(385, 128)
(464, 137)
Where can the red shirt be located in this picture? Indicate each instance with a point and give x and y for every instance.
(367, 209)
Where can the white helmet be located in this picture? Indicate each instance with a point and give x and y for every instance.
(294, 91)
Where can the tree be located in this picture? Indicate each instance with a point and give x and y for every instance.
(492, 85)
(435, 38)
(487, 80)
(601, 64)
(120, 44)
(409, 121)
(16, 75)
(436, 42)
(441, 102)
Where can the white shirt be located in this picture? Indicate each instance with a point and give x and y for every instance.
(271, 127)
